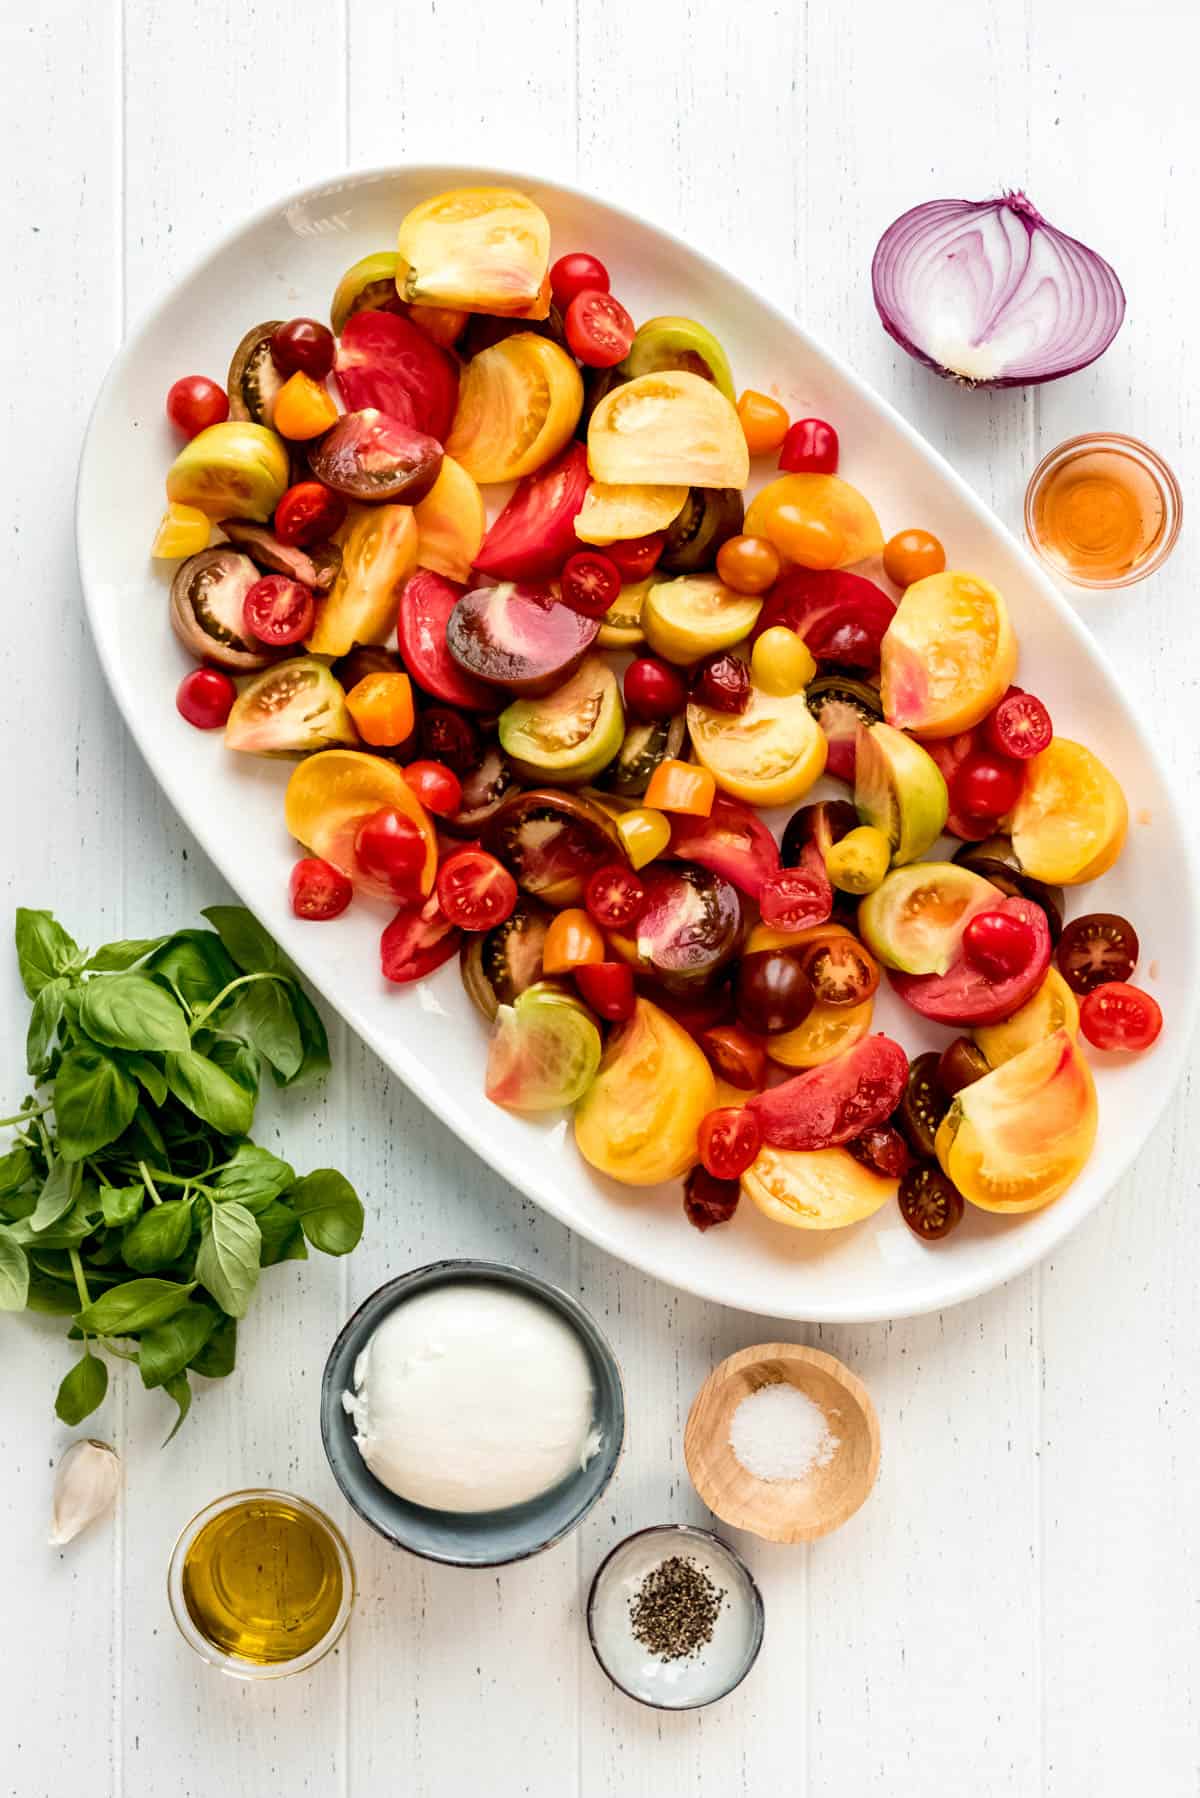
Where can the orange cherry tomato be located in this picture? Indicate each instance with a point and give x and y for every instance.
(910, 555)
(381, 706)
(748, 564)
(812, 542)
(303, 408)
(572, 941)
(764, 422)
(681, 787)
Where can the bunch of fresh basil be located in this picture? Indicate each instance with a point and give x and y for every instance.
(132, 1198)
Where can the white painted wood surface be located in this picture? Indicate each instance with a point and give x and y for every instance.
(1014, 1612)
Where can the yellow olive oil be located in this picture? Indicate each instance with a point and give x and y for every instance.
(263, 1580)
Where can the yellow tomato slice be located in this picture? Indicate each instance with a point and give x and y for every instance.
(484, 249)
(330, 794)
(451, 522)
(1053, 1007)
(621, 626)
(610, 514)
(1017, 1138)
(827, 1032)
(769, 755)
(814, 1189)
(184, 531)
(673, 427)
(639, 1119)
(762, 936)
(948, 655)
(695, 615)
(518, 404)
(379, 552)
(1069, 824)
(827, 500)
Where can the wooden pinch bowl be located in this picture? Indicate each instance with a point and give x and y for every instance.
(783, 1510)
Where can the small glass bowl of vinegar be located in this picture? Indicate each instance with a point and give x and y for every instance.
(1103, 510)
(261, 1584)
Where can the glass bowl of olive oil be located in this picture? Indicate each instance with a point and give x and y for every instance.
(1103, 510)
(261, 1584)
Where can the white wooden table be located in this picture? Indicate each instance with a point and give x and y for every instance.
(1015, 1611)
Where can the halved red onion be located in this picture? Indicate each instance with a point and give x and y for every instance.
(988, 293)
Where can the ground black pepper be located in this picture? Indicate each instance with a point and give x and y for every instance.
(674, 1611)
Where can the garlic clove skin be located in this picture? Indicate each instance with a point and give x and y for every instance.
(85, 1487)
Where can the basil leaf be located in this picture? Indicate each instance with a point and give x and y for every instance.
(143, 1141)
(134, 1305)
(194, 962)
(58, 1194)
(17, 1170)
(282, 1237)
(236, 1059)
(261, 1013)
(94, 1100)
(44, 1020)
(177, 1387)
(43, 949)
(168, 1348)
(247, 942)
(82, 1389)
(159, 1236)
(70, 1230)
(115, 957)
(121, 1204)
(329, 1209)
(131, 1011)
(48, 1296)
(315, 1065)
(17, 1208)
(253, 1177)
(148, 1074)
(210, 1092)
(14, 1273)
(218, 1357)
(227, 1265)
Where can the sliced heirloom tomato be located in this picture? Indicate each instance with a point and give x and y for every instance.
(687, 932)
(949, 654)
(1016, 1139)
(671, 429)
(379, 552)
(842, 617)
(475, 891)
(965, 995)
(1099, 947)
(544, 1051)
(369, 456)
(914, 920)
(332, 794)
(621, 514)
(482, 249)
(552, 843)
(769, 755)
(1052, 1007)
(843, 515)
(425, 605)
(1070, 822)
(518, 405)
(386, 362)
(518, 636)
(451, 521)
(418, 940)
(639, 1120)
(729, 1140)
(815, 1189)
(535, 533)
(830, 1105)
(826, 1033)
(732, 841)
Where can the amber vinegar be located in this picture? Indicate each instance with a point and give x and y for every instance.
(1100, 510)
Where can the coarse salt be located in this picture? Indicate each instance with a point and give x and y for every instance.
(779, 1433)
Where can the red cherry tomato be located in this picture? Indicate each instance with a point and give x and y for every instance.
(636, 556)
(194, 403)
(615, 897)
(1019, 726)
(576, 273)
(418, 940)
(475, 890)
(728, 1141)
(278, 611)
(599, 330)
(318, 890)
(795, 899)
(965, 995)
(608, 988)
(999, 944)
(590, 583)
(810, 447)
(653, 689)
(309, 513)
(390, 849)
(986, 786)
(303, 346)
(436, 786)
(205, 698)
(834, 1103)
(1118, 1016)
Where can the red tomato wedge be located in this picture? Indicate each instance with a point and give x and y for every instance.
(966, 995)
(832, 1104)
(426, 603)
(384, 361)
(535, 533)
(418, 940)
(842, 617)
(732, 841)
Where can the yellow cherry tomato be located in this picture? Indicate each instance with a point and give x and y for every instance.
(910, 555)
(644, 833)
(572, 941)
(859, 862)
(764, 422)
(183, 532)
(748, 564)
(780, 661)
(681, 787)
(303, 408)
(811, 542)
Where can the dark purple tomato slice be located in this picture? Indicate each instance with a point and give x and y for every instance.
(924, 1102)
(883, 1148)
(842, 617)
(485, 786)
(368, 456)
(535, 533)
(965, 995)
(426, 604)
(930, 1204)
(518, 637)
(498, 965)
(707, 1200)
(689, 929)
(384, 361)
(842, 972)
(732, 841)
(832, 1104)
(773, 992)
(552, 843)
(1095, 949)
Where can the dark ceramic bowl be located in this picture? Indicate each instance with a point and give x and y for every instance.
(484, 1538)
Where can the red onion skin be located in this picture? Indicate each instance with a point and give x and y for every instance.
(918, 219)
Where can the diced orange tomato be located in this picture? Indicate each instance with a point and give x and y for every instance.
(681, 787)
(303, 408)
(571, 942)
(381, 706)
(764, 422)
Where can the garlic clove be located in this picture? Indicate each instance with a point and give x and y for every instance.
(85, 1487)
